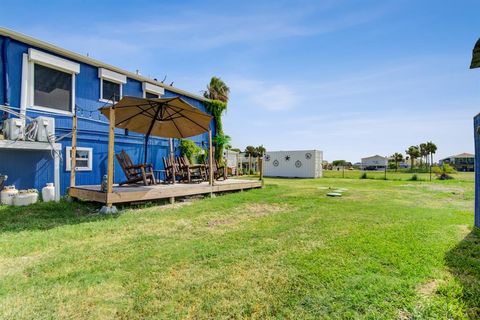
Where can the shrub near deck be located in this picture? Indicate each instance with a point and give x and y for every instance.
(385, 249)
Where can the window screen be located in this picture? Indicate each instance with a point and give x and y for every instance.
(110, 89)
(52, 88)
(149, 95)
(82, 158)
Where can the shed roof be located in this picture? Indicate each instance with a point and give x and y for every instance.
(81, 58)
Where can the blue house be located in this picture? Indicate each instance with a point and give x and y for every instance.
(40, 79)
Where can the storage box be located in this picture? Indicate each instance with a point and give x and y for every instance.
(14, 129)
(45, 129)
(293, 164)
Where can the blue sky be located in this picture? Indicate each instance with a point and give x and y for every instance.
(351, 78)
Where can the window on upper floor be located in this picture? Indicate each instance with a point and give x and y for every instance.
(48, 82)
(52, 88)
(151, 91)
(111, 90)
(111, 84)
(150, 95)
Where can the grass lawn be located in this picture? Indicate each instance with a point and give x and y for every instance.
(385, 250)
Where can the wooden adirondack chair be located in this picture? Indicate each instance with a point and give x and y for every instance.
(135, 173)
(193, 172)
(169, 166)
(218, 171)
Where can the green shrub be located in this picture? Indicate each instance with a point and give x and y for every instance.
(442, 172)
(189, 149)
(363, 175)
(414, 177)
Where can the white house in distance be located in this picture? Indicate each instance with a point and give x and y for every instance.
(375, 162)
(293, 164)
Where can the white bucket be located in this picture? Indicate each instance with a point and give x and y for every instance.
(25, 198)
(48, 192)
(7, 195)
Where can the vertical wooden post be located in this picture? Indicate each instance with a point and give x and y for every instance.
(111, 151)
(260, 167)
(172, 159)
(73, 154)
(238, 160)
(249, 164)
(210, 158)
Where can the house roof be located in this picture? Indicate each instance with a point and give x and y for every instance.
(461, 155)
(81, 58)
(375, 156)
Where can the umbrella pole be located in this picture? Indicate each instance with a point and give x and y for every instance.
(210, 158)
(172, 157)
(145, 152)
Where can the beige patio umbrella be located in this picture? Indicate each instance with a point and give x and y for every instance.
(162, 117)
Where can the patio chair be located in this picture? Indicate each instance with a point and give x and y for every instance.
(2, 181)
(169, 167)
(218, 171)
(135, 172)
(193, 172)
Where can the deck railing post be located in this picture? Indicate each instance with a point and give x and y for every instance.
(73, 152)
(210, 158)
(111, 150)
(260, 167)
(172, 159)
(238, 166)
(249, 164)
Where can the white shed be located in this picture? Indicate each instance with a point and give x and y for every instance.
(293, 164)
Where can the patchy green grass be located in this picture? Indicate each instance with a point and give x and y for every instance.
(392, 175)
(385, 250)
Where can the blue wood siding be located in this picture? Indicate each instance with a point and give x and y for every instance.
(34, 169)
(476, 134)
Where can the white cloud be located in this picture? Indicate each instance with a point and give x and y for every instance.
(266, 95)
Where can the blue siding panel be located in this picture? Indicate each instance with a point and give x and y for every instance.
(29, 169)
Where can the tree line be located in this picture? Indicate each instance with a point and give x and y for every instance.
(423, 151)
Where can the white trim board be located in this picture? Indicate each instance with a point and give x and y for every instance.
(148, 87)
(112, 76)
(53, 61)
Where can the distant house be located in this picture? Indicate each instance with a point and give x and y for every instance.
(375, 162)
(461, 162)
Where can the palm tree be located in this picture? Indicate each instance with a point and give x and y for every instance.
(431, 149)
(217, 90)
(250, 151)
(397, 157)
(423, 153)
(414, 153)
(261, 150)
(222, 141)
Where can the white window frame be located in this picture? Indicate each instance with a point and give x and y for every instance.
(68, 164)
(28, 78)
(105, 74)
(151, 88)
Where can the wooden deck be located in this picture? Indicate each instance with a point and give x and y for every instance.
(160, 191)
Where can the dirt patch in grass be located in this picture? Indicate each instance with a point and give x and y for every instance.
(248, 211)
(429, 288)
(263, 209)
(218, 222)
(14, 265)
(434, 187)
